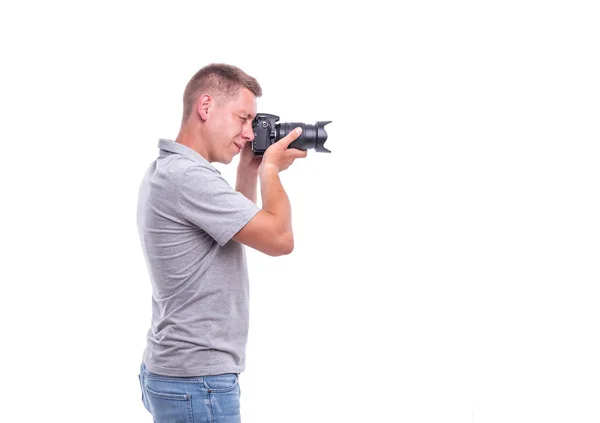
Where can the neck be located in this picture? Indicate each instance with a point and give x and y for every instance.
(192, 137)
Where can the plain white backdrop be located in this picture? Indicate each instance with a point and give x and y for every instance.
(446, 265)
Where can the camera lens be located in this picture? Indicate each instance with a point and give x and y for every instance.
(313, 136)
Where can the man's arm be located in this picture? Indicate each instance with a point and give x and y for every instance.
(247, 173)
(246, 183)
(270, 230)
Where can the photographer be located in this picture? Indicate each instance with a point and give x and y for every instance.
(193, 227)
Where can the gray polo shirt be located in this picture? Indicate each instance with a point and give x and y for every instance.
(187, 214)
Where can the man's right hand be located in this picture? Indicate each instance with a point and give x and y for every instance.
(279, 155)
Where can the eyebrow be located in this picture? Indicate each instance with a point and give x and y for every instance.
(244, 114)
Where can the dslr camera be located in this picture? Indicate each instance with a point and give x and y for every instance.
(268, 131)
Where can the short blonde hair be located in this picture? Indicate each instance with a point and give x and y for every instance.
(220, 80)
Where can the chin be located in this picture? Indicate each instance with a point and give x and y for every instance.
(227, 161)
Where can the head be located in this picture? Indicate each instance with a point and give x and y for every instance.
(219, 104)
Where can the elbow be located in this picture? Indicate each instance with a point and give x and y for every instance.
(286, 245)
(288, 248)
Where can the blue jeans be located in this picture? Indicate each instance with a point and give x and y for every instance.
(202, 399)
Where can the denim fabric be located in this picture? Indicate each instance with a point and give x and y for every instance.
(202, 399)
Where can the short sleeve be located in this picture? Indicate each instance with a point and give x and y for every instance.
(207, 201)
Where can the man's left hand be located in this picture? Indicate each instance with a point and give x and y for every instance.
(249, 163)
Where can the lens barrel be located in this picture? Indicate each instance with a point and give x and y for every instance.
(312, 137)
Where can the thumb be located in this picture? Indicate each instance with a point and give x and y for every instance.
(291, 137)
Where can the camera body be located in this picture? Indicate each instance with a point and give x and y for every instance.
(268, 131)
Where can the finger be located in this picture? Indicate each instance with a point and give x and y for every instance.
(300, 155)
(297, 154)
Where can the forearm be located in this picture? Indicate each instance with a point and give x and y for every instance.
(246, 183)
(274, 197)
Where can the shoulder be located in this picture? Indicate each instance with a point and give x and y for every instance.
(178, 170)
(193, 174)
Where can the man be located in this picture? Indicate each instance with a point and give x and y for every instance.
(193, 227)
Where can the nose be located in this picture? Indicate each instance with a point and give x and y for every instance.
(248, 132)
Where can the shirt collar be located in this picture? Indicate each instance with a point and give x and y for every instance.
(177, 148)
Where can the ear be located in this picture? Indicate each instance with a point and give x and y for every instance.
(204, 106)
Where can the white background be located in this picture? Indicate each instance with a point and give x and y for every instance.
(446, 265)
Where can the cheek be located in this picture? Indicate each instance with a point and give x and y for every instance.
(223, 129)
(236, 129)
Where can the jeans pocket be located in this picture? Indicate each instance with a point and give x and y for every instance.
(167, 405)
(144, 401)
(226, 382)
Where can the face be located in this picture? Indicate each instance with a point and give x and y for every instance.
(230, 126)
